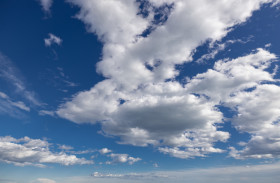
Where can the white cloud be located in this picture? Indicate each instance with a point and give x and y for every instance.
(114, 21)
(52, 39)
(259, 116)
(46, 5)
(135, 102)
(10, 107)
(45, 112)
(11, 74)
(146, 120)
(138, 176)
(117, 158)
(189, 152)
(10, 104)
(100, 175)
(268, 45)
(44, 180)
(155, 165)
(122, 158)
(216, 47)
(213, 53)
(105, 151)
(3, 95)
(230, 76)
(63, 78)
(20, 105)
(242, 174)
(240, 85)
(65, 147)
(35, 152)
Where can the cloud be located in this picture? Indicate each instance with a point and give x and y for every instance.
(246, 86)
(231, 174)
(140, 101)
(122, 158)
(52, 39)
(44, 180)
(10, 107)
(118, 158)
(100, 175)
(230, 76)
(119, 25)
(45, 112)
(46, 5)
(105, 151)
(35, 152)
(12, 76)
(146, 120)
(130, 176)
(60, 79)
(216, 47)
(259, 116)
(65, 147)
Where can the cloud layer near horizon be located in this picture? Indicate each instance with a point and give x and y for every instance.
(243, 174)
(34, 152)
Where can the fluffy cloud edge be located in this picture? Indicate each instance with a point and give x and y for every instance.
(34, 152)
(128, 87)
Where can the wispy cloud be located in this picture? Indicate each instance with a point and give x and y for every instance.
(45, 112)
(12, 108)
(12, 76)
(59, 79)
(217, 47)
(46, 5)
(52, 39)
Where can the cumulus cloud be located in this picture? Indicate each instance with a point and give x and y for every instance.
(146, 120)
(46, 5)
(105, 151)
(52, 39)
(245, 85)
(117, 158)
(122, 158)
(140, 101)
(230, 76)
(34, 152)
(259, 116)
(120, 25)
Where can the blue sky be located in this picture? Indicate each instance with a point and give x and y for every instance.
(139, 91)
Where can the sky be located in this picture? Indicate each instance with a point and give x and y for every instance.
(139, 91)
